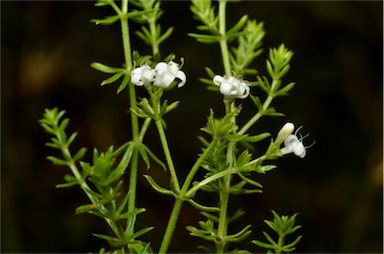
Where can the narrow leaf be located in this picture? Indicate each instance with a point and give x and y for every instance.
(124, 83)
(112, 78)
(153, 157)
(203, 207)
(165, 35)
(285, 89)
(144, 156)
(105, 68)
(142, 232)
(269, 239)
(80, 154)
(57, 161)
(107, 21)
(256, 138)
(156, 187)
(263, 245)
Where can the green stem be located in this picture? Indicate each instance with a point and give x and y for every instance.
(154, 43)
(83, 184)
(192, 172)
(133, 180)
(171, 225)
(214, 177)
(125, 35)
(256, 117)
(280, 244)
(223, 221)
(226, 184)
(133, 103)
(167, 154)
(223, 41)
(274, 87)
(179, 200)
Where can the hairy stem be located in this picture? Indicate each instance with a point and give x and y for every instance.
(167, 154)
(132, 101)
(223, 218)
(223, 41)
(256, 117)
(171, 225)
(179, 200)
(192, 172)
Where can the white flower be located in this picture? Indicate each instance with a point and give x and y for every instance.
(167, 73)
(232, 87)
(142, 75)
(295, 145)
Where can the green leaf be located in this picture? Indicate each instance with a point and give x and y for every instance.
(70, 181)
(263, 245)
(47, 128)
(210, 216)
(237, 215)
(71, 138)
(205, 38)
(290, 247)
(141, 232)
(210, 73)
(80, 154)
(203, 207)
(156, 187)
(264, 83)
(209, 82)
(111, 239)
(112, 79)
(265, 168)
(124, 83)
(57, 161)
(153, 157)
(107, 21)
(269, 238)
(86, 208)
(240, 24)
(165, 35)
(102, 3)
(172, 106)
(256, 138)
(238, 237)
(272, 112)
(249, 181)
(257, 102)
(63, 125)
(144, 156)
(285, 89)
(105, 68)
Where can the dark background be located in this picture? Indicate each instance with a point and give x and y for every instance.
(46, 51)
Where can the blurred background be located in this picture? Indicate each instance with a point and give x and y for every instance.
(47, 48)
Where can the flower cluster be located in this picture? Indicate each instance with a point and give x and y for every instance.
(162, 76)
(232, 87)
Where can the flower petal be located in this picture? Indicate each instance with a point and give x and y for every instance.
(217, 80)
(181, 75)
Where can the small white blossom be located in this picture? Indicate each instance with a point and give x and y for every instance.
(142, 75)
(295, 145)
(232, 87)
(167, 73)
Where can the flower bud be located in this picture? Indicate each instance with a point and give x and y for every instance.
(284, 133)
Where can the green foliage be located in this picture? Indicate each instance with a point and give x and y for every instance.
(104, 174)
(232, 166)
(248, 48)
(283, 226)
